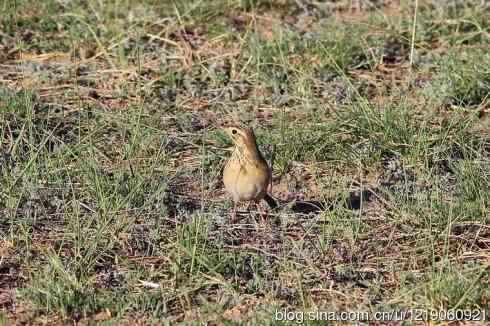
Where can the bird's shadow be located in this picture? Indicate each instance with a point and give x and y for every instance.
(354, 201)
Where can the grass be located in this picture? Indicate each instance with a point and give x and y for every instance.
(111, 202)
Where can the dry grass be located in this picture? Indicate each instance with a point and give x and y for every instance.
(111, 202)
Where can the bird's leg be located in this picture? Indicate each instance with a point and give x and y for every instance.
(263, 214)
(249, 208)
(233, 212)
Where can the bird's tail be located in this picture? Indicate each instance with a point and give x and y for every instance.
(270, 201)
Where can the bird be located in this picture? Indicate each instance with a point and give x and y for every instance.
(246, 175)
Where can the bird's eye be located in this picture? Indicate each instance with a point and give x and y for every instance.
(234, 131)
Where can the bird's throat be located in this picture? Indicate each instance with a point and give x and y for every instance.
(248, 155)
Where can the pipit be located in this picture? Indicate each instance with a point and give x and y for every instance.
(246, 175)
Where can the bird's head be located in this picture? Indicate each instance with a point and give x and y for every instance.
(241, 136)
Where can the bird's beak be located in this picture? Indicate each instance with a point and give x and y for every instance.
(227, 131)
